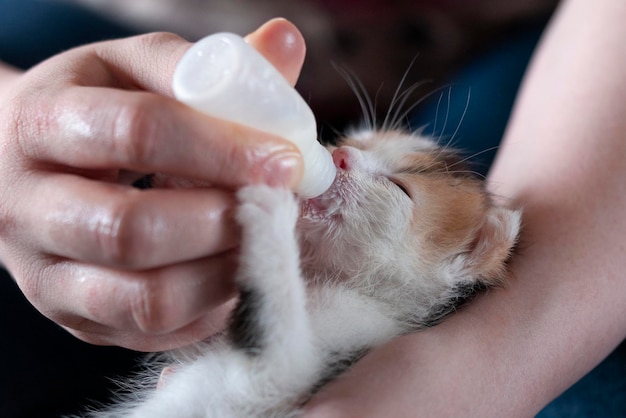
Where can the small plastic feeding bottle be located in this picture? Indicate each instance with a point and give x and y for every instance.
(223, 76)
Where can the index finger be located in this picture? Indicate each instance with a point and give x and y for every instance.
(103, 128)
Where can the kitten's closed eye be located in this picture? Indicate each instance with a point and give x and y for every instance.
(401, 187)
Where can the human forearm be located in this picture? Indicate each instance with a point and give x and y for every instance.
(564, 159)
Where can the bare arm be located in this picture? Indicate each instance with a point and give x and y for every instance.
(564, 160)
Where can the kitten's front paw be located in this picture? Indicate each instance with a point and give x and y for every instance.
(269, 250)
(264, 207)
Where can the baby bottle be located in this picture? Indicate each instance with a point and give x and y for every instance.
(225, 77)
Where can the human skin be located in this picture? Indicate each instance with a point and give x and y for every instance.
(564, 161)
(143, 269)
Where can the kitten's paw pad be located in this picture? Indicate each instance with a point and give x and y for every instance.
(266, 204)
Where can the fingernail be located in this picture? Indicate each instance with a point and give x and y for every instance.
(283, 170)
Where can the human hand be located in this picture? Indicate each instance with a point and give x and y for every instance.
(143, 269)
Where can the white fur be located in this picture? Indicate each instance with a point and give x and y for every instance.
(337, 275)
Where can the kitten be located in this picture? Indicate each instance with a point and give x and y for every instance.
(402, 237)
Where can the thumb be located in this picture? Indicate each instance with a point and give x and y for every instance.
(148, 61)
(282, 44)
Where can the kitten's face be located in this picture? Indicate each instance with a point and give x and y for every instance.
(401, 202)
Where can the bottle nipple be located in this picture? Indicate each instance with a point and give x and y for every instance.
(225, 77)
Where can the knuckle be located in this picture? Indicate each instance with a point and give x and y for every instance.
(35, 274)
(136, 131)
(115, 233)
(94, 304)
(151, 308)
(241, 162)
(129, 231)
(31, 285)
(141, 306)
(25, 122)
(159, 39)
(38, 279)
(103, 308)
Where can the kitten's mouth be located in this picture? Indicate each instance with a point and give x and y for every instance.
(328, 204)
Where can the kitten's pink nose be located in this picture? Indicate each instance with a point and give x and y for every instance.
(342, 158)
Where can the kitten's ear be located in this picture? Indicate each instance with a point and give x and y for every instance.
(494, 242)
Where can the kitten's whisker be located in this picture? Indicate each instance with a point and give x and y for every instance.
(396, 95)
(450, 142)
(357, 87)
(417, 103)
(400, 114)
(445, 121)
(472, 172)
(428, 168)
(458, 126)
(437, 114)
(476, 154)
(374, 117)
(371, 106)
(367, 106)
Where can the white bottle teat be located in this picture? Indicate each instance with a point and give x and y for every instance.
(223, 76)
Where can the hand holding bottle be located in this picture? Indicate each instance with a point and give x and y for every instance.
(143, 269)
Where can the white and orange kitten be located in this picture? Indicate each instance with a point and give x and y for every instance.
(402, 237)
